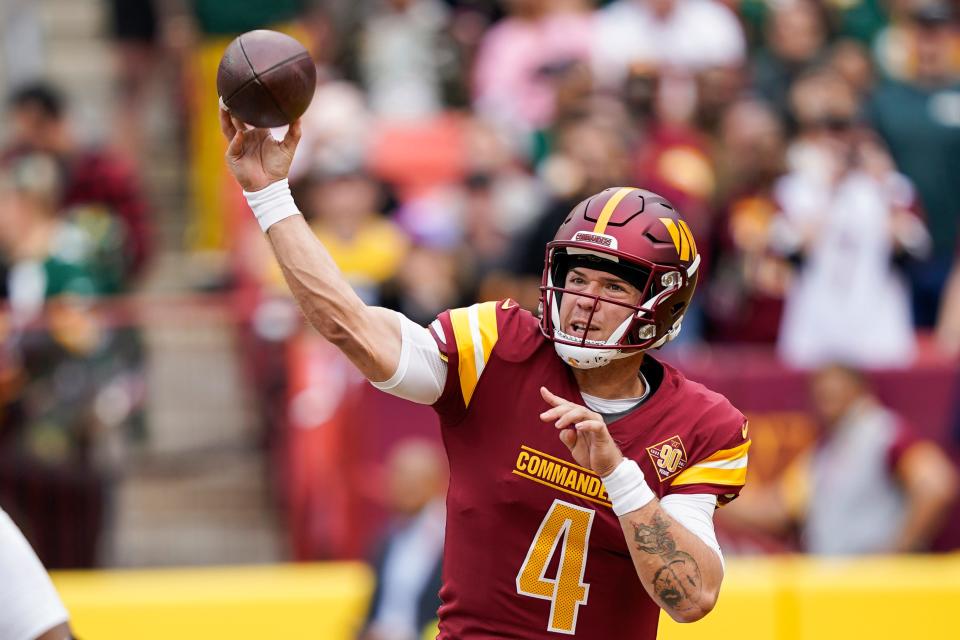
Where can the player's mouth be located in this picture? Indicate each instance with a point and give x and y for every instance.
(581, 329)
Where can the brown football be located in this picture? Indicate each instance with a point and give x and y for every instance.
(266, 78)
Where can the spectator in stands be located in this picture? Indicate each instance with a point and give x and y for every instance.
(919, 118)
(22, 43)
(430, 279)
(513, 70)
(852, 61)
(401, 58)
(895, 45)
(343, 206)
(794, 42)
(406, 598)
(135, 29)
(94, 176)
(847, 220)
(590, 153)
(336, 127)
(744, 295)
(870, 485)
(73, 383)
(50, 253)
(673, 156)
(685, 35)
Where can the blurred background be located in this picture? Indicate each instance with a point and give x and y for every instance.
(163, 405)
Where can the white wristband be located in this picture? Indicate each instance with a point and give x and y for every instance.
(272, 204)
(627, 487)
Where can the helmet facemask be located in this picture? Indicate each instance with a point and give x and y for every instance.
(637, 332)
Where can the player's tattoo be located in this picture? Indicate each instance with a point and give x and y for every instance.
(677, 583)
(654, 538)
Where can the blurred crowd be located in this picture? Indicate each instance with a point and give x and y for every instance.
(813, 146)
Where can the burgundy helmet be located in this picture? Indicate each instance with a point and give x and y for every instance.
(639, 237)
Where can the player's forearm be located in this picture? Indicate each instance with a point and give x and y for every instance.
(676, 568)
(371, 340)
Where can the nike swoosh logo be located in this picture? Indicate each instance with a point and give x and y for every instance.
(508, 304)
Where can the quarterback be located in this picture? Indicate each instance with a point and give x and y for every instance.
(583, 472)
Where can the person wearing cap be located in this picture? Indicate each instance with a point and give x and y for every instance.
(584, 473)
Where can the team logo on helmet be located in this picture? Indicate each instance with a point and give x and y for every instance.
(682, 238)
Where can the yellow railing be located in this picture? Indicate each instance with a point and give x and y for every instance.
(767, 598)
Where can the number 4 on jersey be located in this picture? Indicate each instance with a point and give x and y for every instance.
(567, 591)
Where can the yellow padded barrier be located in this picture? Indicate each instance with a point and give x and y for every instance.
(803, 598)
(762, 599)
(239, 603)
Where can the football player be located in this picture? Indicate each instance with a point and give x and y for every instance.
(583, 472)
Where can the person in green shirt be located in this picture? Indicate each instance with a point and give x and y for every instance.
(919, 119)
(49, 252)
(61, 358)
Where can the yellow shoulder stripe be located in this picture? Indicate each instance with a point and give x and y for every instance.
(475, 333)
(707, 475)
(726, 467)
(729, 454)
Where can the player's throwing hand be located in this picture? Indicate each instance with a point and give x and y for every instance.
(584, 433)
(255, 158)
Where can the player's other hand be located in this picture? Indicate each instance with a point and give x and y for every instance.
(254, 157)
(584, 433)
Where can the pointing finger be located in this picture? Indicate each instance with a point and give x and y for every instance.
(552, 399)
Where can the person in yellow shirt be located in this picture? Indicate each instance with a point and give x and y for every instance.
(343, 211)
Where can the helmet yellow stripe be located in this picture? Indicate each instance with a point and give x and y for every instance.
(674, 232)
(609, 207)
(686, 230)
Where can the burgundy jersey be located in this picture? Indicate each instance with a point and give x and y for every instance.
(533, 548)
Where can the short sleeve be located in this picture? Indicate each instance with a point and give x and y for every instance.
(466, 338)
(722, 471)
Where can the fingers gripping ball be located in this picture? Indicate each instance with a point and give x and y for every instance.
(266, 78)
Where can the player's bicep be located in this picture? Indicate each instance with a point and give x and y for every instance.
(421, 372)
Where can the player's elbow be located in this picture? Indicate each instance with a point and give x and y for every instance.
(697, 610)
